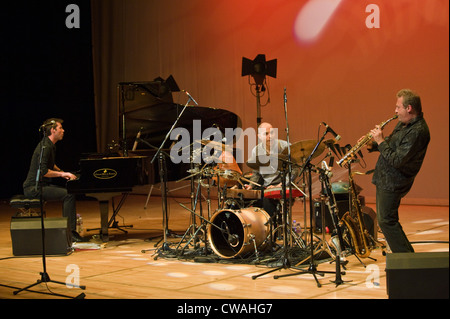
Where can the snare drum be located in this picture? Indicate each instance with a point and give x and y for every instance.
(277, 193)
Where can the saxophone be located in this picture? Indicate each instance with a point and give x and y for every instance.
(362, 241)
(366, 139)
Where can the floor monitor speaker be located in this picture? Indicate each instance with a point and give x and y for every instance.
(26, 236)
(417, 275)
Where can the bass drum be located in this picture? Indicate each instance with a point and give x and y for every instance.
(238, 232)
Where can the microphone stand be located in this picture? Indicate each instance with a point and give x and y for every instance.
(332, 206)
(164, 191)
(162, 174)
(312, 266)
(45, 278)
(285, 215)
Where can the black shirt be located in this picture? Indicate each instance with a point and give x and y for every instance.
(401, 156)
(48, 162)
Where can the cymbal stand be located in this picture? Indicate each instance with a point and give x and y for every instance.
(193, 228)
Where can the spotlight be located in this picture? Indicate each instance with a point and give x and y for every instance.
(259, 68)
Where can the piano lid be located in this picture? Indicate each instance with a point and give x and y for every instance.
(146, 107)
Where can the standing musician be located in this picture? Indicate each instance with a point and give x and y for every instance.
(401, 157)
(271, 176)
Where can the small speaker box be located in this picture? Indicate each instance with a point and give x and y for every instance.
(417, 275)
(26, 236)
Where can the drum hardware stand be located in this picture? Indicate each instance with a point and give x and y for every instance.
(193, 228)
(324, 247)
(304, 200)
(45, 278)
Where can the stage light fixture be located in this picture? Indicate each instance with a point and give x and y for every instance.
(259, 68)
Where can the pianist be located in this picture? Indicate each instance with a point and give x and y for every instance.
(54, 132)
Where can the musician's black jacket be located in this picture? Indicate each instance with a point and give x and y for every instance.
(401, 156)
(48, 162)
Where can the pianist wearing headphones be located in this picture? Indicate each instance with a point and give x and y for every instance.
(54, 132)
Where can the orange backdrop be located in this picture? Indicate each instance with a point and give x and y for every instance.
(341, 62)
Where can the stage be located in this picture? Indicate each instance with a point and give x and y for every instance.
(129, 266)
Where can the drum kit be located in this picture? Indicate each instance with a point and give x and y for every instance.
(238, 229)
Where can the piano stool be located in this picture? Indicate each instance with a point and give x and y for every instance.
(27, 207)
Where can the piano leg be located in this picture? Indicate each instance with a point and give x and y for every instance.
(103, 200)
(104, 212)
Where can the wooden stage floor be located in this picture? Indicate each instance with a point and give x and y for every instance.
(121, 270)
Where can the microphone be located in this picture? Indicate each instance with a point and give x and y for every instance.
(285, 97)
(233, 240)
(329, 129)
(187, 93)
(326, 170)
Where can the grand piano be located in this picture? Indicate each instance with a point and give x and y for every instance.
(146, 108)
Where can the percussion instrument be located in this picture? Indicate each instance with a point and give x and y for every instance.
(244, 193)
(238, 232)
(303, 149)
(227, 170)
(276, 193)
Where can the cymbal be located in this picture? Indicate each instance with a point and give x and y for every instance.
(302, 149)
(214, 144)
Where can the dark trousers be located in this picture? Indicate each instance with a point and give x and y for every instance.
(270, 205)
(387, 214)
(57, 193)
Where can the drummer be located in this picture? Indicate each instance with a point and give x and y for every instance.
(269, 177)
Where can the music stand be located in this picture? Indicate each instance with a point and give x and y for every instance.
(45, 278)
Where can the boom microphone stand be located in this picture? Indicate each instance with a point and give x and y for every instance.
(163, 171)
(45, 278)
(286, 262)
(312, 266)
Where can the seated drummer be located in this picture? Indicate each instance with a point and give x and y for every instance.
(268, 176)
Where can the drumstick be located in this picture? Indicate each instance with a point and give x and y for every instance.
(247, 180)
(299, 189)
